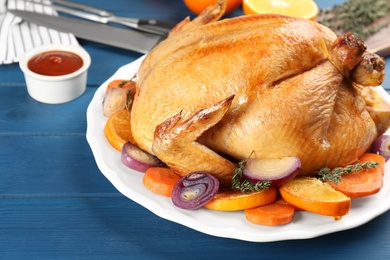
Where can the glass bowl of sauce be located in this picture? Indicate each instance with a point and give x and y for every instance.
(55, 74)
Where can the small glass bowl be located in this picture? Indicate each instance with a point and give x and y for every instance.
(56, 89)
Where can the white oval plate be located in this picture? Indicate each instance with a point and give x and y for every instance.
(222, 224)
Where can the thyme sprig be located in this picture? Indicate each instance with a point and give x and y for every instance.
(129, 93)
(123, 83)
(360, 17)
(335, 175)
(129, 99)
(239, 182)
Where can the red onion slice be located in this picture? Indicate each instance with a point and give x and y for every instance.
(194, 190)
(381, 146)
(277, 171)
(114, 101)
(137, 159)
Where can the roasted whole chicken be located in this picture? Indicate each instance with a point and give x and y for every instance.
(217, 90)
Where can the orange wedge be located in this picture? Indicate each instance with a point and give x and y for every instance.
(117, 129)
(315, 196)
(307, 9)
(236, 200)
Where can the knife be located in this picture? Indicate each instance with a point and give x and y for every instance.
(102, 16)
(109, 35)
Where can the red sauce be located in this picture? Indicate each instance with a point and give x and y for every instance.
(55, 63)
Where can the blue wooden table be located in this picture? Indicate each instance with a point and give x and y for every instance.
(56, 204)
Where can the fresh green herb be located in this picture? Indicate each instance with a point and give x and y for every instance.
(245, 185)
(360, 17)
(123, 83)
(129, 99)
(134, 76)
(325, 174)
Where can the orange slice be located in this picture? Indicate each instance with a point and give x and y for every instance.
(315, 196)
(307, 9)
(117, 129)
(236, 200)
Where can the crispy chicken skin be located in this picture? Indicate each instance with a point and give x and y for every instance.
(275, 85)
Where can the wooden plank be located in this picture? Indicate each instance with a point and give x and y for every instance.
(39, 166)
(40, 118)
(117, 228)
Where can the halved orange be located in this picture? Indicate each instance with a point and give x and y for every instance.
(197, 6)
(315, 196)
(117, 129)
(228, 200)
(307, 9)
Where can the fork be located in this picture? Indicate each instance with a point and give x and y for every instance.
(102, 16)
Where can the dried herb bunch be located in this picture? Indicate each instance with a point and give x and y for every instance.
(360, 17)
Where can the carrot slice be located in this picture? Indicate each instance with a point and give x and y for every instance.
(282, 201)
(160, 180)
(270, 215)
(364, 182)
(121, 83)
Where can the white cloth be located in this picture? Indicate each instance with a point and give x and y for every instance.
(18, 36)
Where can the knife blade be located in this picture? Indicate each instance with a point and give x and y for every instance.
(101, 33)
(102, 16)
